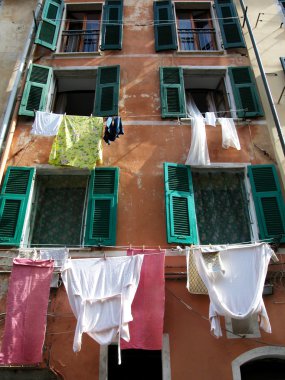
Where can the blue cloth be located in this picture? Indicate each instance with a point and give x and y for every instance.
(113, 129)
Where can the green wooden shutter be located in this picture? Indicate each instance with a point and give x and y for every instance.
(48, 30)
(269, 204)
(14, 199)
(107, 91)
(172, 92)
(245, 92)
(102, 207)
(229, 23)
(36, 90)
(112, 28)
(164, 26)
(181, 225)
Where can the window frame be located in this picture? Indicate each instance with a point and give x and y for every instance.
(253, 226)
(192, 6)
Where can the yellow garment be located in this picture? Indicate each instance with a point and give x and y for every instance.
(78, 142)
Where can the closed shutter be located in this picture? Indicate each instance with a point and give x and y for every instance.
(181, 225)
(245, 92)
(48, 30)
(269, 204)
(36, 90)
(282, 60)
(102, 207)
(14, 199)
(229, 24)
(164, 26)
(172, 92)
(112, 28)
(107, 91)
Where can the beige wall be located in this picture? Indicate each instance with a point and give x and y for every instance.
(15, 19)
(270, 39)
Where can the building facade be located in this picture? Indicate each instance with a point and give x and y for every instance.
(158, 65)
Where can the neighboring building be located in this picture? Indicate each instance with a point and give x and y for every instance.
(129, 58)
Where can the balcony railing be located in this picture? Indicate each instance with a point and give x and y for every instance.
(197, 39)
(80, 40)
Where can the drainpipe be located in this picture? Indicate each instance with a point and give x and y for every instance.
(11, 110)
(264, 79)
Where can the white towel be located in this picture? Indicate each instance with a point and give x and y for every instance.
(210, 118)
(229, 133)
(46, 124)
(237, 293)
(198, 153)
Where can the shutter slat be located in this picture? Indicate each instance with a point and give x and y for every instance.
(48, 30)
(229, 24)
(164, 26)
(102, 207)
(245, 92)
(36, 90)
(112, 28)
(269, 204)
(14, 199)
(107, 91)
(172, 92)
(179, 204)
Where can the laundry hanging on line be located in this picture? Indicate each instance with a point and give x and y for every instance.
(146, 328)
(27, 303)
(78, 142)
(46, 123)
(113, 129)
(100, 293)
(236, 290)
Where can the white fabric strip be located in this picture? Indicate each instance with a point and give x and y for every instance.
(46, 124)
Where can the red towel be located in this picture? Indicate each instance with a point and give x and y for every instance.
(146, 329)
(26, 311)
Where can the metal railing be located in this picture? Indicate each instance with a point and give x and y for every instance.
(80, 40)
(197, 39)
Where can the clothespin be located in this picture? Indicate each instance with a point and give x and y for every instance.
(105, 258)
(159, 248)
(143, 248)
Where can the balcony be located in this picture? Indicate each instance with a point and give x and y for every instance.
(197, 39)
(80, 41)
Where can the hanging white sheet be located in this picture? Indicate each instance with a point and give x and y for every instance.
(210, 118)
(236, 292)
(229, 133)
(46, 124)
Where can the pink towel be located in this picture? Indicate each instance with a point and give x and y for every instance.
(26, 311)
(146, 329)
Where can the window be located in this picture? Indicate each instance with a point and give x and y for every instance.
(28, 373)
(207, 87)
(242, 328)
(282, 60)
(81, 92)
(214, 205)
(194, 28)
(282, 5)
(47, 209)
(81, 32)
(80, 24)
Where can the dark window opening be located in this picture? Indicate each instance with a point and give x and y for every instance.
(82, 31)
(263, 369)
(136, 364)
(195, 30)
(58, 210)
(221, 206)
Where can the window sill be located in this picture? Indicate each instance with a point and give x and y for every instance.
(77, 54)
(200, 52)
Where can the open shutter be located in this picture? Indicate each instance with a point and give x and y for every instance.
(229, 24)
(269, 204)
(181, 225)
(102, 207)
(47, 33)
(14, 199)
(164, 26)
(36, 90)
(172, 92)
(112, 28)
(245, 92)
(107, 91)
